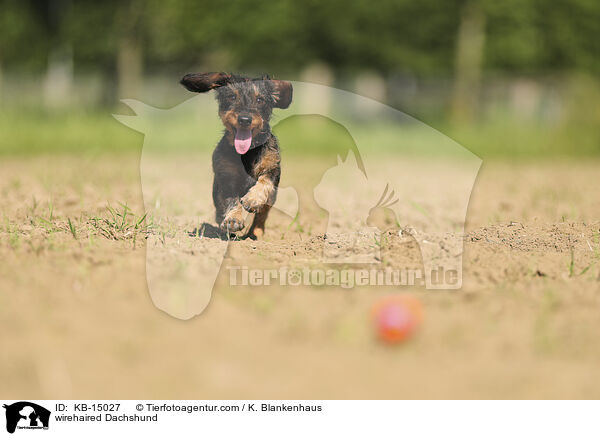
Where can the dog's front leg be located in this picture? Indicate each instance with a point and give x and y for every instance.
(260, 195)
(233, 219)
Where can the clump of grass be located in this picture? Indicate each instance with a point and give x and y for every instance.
(298, 228)
(47, 223)
(72, 228)
(382, 242)
(121, 224)
(595, 248)
(12, 231)
(572, 264)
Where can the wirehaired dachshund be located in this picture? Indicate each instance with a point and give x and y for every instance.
(246, 162)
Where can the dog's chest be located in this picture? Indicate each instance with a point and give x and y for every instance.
(250, 162)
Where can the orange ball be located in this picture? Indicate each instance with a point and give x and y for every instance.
(397, 317)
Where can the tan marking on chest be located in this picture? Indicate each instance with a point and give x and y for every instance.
(269, 161)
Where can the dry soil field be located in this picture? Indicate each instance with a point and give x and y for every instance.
(77, 320)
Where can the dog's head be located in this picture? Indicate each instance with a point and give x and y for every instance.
(245, 104)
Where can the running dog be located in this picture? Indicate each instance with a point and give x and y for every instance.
(246, 161)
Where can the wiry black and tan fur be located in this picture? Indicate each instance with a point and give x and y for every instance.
(249, 180)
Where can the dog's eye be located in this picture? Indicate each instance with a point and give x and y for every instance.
(260, 100)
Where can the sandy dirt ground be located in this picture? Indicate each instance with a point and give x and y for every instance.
(77, 320)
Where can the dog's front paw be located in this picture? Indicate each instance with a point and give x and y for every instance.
(257, 197)
(253, 203)
(232, 225)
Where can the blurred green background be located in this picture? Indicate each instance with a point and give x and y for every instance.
(516, 78)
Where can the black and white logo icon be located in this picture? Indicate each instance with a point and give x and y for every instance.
(26, 415)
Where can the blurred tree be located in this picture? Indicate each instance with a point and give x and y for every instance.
(514, 35)
(109, 38)
(128, 22)
(23, 45)
(58, 79)
(571, 30)
(468, 63)
(118, 39)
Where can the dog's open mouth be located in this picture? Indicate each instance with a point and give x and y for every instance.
(243, 139)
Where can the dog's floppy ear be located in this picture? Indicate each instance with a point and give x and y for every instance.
(282, 93)
(202, 82)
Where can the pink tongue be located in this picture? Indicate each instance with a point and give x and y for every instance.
(243, 140)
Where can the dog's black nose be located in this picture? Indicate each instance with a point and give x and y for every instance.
(244, 120)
